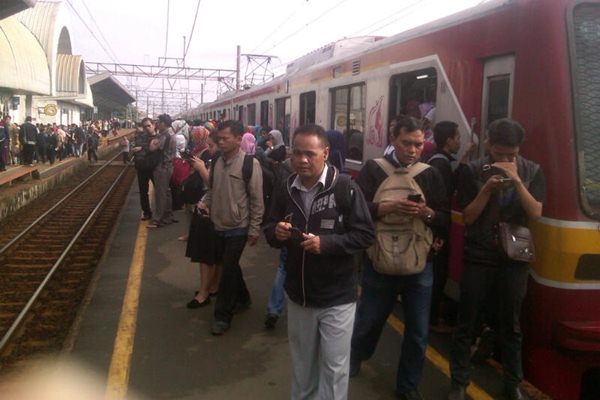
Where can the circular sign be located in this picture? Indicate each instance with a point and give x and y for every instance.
(50, 109)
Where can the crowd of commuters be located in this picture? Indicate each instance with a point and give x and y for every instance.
(39, 143)
(391, 223)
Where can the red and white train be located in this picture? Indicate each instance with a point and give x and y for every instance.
(537, 61)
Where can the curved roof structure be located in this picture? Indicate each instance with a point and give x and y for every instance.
(48, 21)
(70, 74)
(24, 65)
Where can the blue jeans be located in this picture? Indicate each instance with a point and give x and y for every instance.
(379, 293)
(277, 298)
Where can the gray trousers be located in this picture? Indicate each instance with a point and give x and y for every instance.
(319, 341)
(163, 213)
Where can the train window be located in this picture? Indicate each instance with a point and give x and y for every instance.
(264, 113)
(283, 111)
(251, 114)
(241, 113)
(308, 102)
(584, 31)
(348, 117)
(414, 94)
(498, 97)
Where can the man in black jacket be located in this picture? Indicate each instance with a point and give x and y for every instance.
(500, 187)
(379, 291)
(27, 137)
(322, 219)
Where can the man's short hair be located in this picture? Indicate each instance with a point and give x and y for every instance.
(28, 118)
(443, 131)
(315, 130)
(234, 126)
(146, 120)
(409, 124)
(165, 119)
(506, 132)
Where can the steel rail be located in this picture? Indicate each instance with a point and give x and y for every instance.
(15, 325)
(44, 215)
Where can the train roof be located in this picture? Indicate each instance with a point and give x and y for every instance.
(349, 48)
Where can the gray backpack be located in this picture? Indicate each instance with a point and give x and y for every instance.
(402, 242)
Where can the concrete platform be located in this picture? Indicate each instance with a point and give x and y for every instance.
(21, 192)
(175, 357)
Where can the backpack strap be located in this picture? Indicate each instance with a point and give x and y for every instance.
(247, 169)
(343, 194)
(412, 171)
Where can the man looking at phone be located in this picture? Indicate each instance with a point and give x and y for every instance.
(380, 290)
(500, 187)
(322, 219)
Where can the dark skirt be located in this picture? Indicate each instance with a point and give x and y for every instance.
(201, 240)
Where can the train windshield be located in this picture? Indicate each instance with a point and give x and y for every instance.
(585, 67)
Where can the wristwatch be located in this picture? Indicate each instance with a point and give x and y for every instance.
(428, 217)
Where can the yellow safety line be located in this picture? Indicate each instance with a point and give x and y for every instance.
(476, 392)
(118, 373)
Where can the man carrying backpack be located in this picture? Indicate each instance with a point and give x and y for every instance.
(406, 200)
(234, 201)
(322, 219)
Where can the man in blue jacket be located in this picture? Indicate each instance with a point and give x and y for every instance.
(322, 219)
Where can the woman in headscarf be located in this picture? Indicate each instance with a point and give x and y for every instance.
(248, 144)
(181, 168)
(337, 149)
(276, 152)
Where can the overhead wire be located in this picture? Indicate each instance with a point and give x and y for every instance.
(306, 25)
(187, 47)
(90, 30)
(279, 26)
(99, 29)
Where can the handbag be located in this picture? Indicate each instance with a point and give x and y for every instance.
(516, 242)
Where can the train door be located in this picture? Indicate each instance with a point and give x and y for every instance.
(283, 113)
(496, 100)
(264, 113)
(251, 114)
(308, 102)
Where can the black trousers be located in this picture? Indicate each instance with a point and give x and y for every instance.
(232, 289)
(440, 277)
(28, 152)
(144, 177)
(92, 154)
(507, 283)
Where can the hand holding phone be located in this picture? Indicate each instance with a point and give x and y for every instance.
(414, 197)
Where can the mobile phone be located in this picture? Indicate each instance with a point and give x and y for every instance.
(414, 197)
(297, 234)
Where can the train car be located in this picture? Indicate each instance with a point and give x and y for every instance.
(537, 61)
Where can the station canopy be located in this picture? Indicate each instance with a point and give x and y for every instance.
(24, 67)
(109, 93)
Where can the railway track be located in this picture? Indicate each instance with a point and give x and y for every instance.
(46, 268)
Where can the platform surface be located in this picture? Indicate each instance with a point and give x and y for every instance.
(175, 357)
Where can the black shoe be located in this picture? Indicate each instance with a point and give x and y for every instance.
(514, 393)
(271, 320)
(412, 395)
(241, 307)
(219, 328)
(457, 393)
(146, 217)
(214, 294)
(197, 304)
(354, 367)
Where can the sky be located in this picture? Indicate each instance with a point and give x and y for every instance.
(135, 31)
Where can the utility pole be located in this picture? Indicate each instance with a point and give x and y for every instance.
(202, 93)
(237, 73)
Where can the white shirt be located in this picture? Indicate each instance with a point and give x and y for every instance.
(308, 194)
